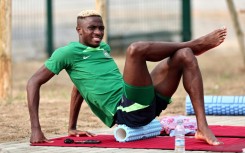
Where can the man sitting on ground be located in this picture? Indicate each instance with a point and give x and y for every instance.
(134, 98)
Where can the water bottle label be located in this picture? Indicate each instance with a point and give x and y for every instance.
(179, 142)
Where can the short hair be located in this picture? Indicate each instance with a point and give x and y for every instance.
(87, 13)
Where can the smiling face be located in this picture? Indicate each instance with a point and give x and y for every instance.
(90, 30)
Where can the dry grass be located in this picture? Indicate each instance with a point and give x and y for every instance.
(223, 74)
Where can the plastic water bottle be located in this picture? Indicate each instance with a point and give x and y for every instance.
(180, 137)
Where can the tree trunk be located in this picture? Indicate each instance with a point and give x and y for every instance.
(237, 27)
(101, 7)
(5, 50)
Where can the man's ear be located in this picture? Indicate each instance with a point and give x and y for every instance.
(77, 29)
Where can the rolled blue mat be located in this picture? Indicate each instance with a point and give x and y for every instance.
(123, 133)
(220, 105)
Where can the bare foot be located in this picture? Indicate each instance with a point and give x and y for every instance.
(208, 136)
(209, 41)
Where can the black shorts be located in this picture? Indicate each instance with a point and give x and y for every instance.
(140, 117)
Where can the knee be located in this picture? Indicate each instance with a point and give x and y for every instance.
(186, 56)
(136, 49)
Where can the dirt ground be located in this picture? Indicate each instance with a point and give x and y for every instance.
(222, 69)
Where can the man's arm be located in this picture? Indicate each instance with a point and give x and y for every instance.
(75, 105)
(33, 97)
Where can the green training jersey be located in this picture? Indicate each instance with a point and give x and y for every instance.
(95, 74)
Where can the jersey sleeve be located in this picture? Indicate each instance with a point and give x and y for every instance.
(58, 61)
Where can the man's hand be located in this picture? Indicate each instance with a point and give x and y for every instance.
(37, 136)
(79, 133)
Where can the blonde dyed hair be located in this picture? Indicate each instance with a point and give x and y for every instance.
(87, 13)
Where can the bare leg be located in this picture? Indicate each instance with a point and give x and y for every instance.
(166, 77)
(136, 72)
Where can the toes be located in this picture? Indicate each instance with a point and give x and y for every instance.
(222, 31)
(216, 143)
(223, 27)
(222, 36)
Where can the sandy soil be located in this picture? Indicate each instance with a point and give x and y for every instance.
(222, 69)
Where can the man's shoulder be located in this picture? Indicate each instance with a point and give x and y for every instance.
(105, 46)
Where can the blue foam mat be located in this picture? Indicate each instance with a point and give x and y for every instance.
(220, 105)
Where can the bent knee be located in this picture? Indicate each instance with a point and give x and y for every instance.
(186, 55)
(136, 49)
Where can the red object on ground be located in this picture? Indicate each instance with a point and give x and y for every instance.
(228, 131)
(232, 136)
(162, 142)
